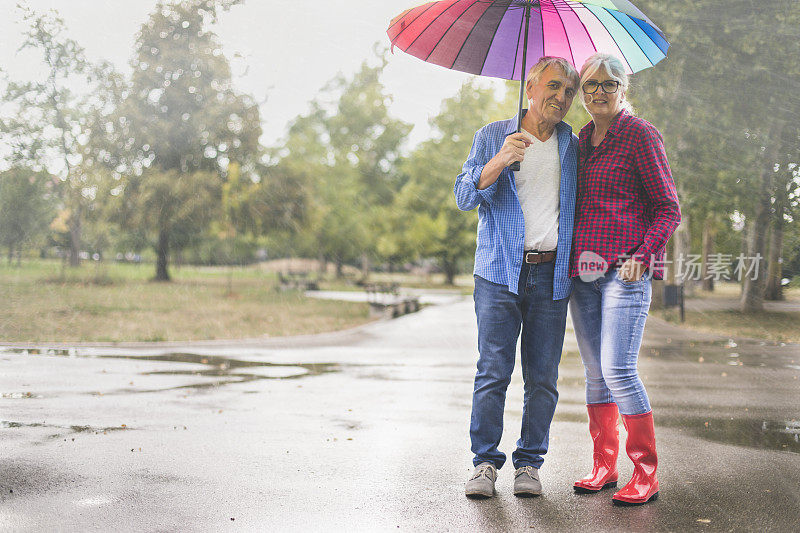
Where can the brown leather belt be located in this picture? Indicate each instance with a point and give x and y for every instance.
(534, 258)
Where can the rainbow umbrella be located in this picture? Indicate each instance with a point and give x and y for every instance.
(498, 38)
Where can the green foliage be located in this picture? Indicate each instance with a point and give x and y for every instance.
(726, 100)
(183, 130)
(48, 124)
(26, 207)
(424, 220)
(345, 157)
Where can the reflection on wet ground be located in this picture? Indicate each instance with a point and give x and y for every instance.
(774, 434)
(767, 354)
(781, 435)
(69, 429)
(233, 370)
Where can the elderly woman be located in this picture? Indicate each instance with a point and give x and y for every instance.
(626, 210)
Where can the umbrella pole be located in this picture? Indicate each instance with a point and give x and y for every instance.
(515, 165)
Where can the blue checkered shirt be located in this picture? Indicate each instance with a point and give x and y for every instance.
(501, 226)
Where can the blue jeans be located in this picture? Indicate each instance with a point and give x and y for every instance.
(609, 316)
(501, 314)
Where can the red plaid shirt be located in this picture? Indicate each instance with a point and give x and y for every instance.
(627, 205)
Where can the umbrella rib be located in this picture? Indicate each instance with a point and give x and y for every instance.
(488, 49)
(409, 24)
(569, 46)
(589, 35)
(473, 29)
(448, 29)
(634, 38)
(431, 23)
(399, 18)
(611, 36)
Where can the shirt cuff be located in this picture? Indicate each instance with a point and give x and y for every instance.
(486, 194)
(644, 255)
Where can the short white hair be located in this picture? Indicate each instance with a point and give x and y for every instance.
(615, 69)
(536, 70)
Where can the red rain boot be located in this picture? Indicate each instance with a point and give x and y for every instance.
(641, 448)
(603, 429)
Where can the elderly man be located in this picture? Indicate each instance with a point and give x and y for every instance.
(521, 269)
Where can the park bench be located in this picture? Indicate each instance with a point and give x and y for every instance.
(297, 280)
(385, 300)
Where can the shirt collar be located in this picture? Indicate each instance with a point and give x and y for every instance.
(617, 124)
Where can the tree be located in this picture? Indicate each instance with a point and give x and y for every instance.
(26, 207)
(426, 221)
(345, 154)
(725, 99)
(180, 128)
(47, 126)
(365, 143)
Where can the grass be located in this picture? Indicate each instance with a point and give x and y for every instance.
(112, 302)
(778, 326)
(767, 325)
(729, 290)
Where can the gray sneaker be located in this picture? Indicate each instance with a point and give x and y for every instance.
(481, 484)
(526, 481)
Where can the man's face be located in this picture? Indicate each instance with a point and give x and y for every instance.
(551, 96)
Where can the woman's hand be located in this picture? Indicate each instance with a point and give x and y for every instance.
(631, 270)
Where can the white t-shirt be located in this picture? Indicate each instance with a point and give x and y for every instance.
(538, 184)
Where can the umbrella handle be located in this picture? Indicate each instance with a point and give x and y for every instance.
(514, 166)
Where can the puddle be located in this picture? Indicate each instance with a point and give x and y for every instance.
(73, 429)
(764, 354)
(19, 395)
(230, 369)
(782, 435)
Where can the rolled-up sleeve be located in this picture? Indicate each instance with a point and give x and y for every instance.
(651, 163)
(466, 191)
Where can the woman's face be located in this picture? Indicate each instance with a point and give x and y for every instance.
(601, 103)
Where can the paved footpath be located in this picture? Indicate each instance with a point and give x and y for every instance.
(367, 430)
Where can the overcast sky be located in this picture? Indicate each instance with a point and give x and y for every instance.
(282, 51)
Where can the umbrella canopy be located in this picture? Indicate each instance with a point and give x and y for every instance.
(487, 37)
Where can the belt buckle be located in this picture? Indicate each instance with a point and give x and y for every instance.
(538, 257)
(533, 261)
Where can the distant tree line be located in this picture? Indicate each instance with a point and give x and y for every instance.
(168, 158)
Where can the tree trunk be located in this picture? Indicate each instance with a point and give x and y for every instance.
(708, 249)
(339, 273)
(753, 284)
(10, 253)
(322, 264)
(752, 299)
(450, 272)
(74, 239)
(162, 251)
(683, 247)
(774, 289)
(364, 266)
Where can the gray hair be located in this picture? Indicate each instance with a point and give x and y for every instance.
(536, 70)
(615, 69)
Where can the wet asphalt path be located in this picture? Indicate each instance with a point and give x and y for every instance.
(368, 430)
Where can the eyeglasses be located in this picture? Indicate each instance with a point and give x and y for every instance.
(609, 86)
